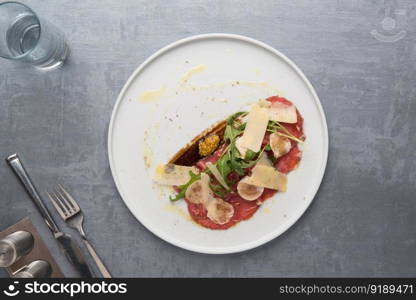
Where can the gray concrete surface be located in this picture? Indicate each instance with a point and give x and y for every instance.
(361, 223)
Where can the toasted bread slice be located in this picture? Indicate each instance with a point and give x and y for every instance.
(189, 155)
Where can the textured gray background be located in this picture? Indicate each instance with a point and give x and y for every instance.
(361, 223)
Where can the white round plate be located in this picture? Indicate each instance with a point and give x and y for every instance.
(181, 90)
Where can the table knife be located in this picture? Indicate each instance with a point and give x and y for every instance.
(69, 247)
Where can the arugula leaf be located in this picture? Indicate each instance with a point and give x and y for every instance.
(233, 118)
(231, 133)
(223, 165)
(242, 127)
(272, 126)
(184, 187)
(249, 164)
(250, 155)
(235, 159)
(237, 167)
(218, 190)
(231, 160)
(268, 147)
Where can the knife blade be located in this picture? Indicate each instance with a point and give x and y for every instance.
(73, 254)
(71, 250)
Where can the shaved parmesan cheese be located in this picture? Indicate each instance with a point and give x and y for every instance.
(217, 175)
(268, 177)
(264, 160)
(281, 112)
(264, 103)
(171, 174)
(256, 126)
(240, 147)
(206, 190)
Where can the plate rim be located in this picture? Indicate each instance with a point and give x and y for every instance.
(266, 238)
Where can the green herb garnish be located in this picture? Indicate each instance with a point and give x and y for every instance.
(232, 120)
(231, 160)
(250, 155)
(218, 190)
(274, 126)
(231, 133)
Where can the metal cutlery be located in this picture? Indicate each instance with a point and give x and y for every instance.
(69, 247)
(71, 213)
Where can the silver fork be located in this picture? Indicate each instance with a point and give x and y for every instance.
(69, 210)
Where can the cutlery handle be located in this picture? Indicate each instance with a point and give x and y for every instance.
(97, 259)
(17, 166)
(74, 255)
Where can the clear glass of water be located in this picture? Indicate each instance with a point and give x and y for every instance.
(25, 37)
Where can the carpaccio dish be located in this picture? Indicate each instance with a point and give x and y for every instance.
(229, 170)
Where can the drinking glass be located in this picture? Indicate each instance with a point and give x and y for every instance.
(14, 246)
(36, 269)
(25, 37)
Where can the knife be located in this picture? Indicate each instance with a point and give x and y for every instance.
(69, 247)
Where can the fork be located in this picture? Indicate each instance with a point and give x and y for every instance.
(71, 213)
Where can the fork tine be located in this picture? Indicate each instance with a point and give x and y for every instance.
(63, 205)
(65, 201)
(69, 197)
(57, 206)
